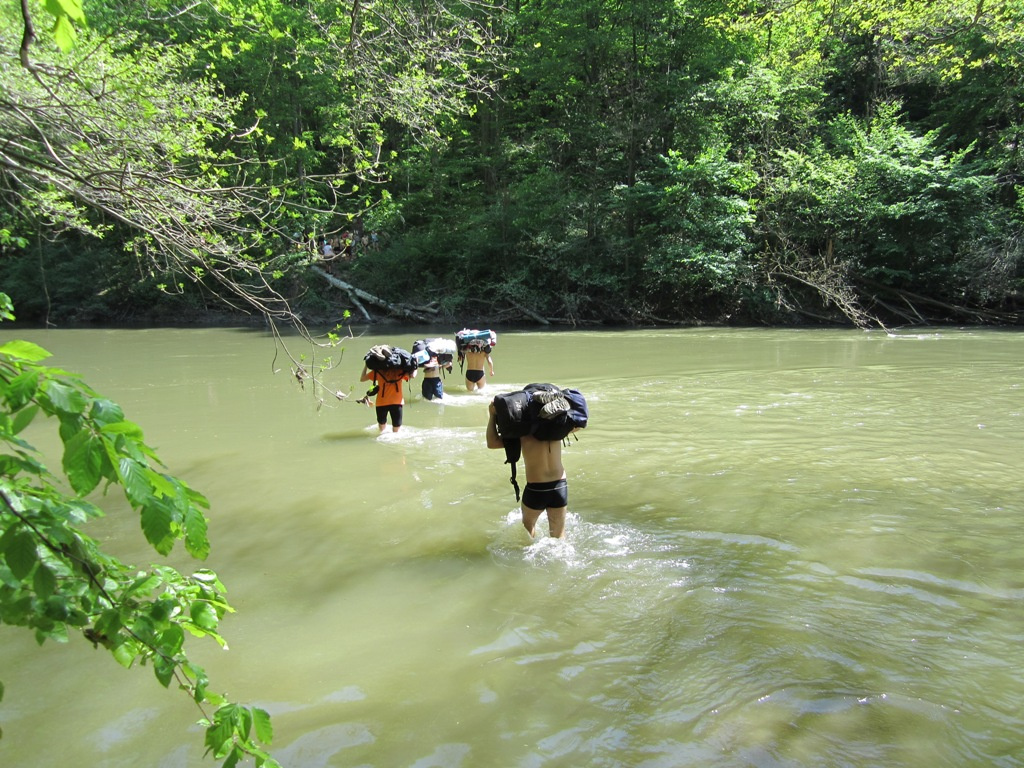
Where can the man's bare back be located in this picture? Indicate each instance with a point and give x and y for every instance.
(543, 459)
(546, 486)
(475, 361)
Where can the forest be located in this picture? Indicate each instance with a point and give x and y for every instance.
(526, 162)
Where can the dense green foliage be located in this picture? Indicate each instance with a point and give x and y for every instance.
(56, 580)
(592, 161)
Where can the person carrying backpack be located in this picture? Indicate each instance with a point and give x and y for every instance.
(474, 350)
(547, 488)
(476, 357)
(434, 356)
(390, 393)
(433, 386)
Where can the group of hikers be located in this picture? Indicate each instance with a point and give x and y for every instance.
(387, 368)
(342, 246)
(348, 244)
(531, 423)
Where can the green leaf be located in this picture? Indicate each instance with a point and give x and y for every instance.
(63, 28)
(44, 582)
(163, 668)
(110, 415)
(23, 418)
(12, 465)
(135, 481)
(172, 639)
(124, 428)
(196, 540)
(22, 389)
(219, 734)
(143, 586)
(83, 457)
(206, 576)
(21, 554)
(70, 8)
(124, 654)
(65, 398)
(108, 624)
(79, 511)
(57, 607)
(156, 526)
(264, 728)
(162, 485)
(244, 726)
(204, 615)
(24, 350)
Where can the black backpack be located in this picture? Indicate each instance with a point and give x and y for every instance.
(554, 412)
(542, 410)
(512, 421)
(390, 364)
(382, 358)
(512, 414)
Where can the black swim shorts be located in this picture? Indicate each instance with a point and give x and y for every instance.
(553, 495)
(394, 410)
(474, 376)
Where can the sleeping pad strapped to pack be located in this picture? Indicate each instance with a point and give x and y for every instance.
(443, 349)
(543, 411)
(467, 338)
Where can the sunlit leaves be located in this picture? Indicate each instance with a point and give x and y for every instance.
(143, 155)
(886, 203)
(932, 39)
(24, 350)
(66, 13)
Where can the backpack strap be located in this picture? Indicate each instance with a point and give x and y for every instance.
(513, 450)
(395, 382)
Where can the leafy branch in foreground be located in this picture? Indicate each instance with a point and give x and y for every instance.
(56, 580)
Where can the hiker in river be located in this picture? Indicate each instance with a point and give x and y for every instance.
(474, 350)
(547, 489)
(433, 386)
(390, 395)
(476, 357)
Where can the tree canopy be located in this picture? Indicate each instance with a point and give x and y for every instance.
(658, 161)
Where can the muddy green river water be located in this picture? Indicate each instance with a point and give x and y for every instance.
(783, 548)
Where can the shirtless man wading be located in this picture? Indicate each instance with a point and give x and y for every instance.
(475, 360)
(546, 486)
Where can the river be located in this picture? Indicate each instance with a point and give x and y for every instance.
(783, 548)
